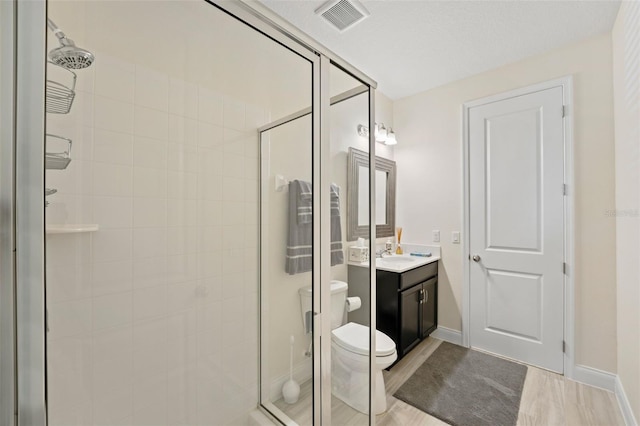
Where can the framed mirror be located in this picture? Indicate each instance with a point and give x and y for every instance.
(358, 196)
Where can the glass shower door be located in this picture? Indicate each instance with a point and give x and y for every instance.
(288, 342)
(352, 299)
(152, 236)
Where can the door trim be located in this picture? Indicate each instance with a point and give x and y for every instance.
(566, 83)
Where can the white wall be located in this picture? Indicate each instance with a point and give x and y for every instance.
(626, 83)
(429, 161)
(154, 317)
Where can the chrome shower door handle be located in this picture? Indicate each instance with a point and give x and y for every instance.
(308, 322)
(476, 258)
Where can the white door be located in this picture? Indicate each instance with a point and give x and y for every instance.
(516, 158)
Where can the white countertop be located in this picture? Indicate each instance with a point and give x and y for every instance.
(399, 263)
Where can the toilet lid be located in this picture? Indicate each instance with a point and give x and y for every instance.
(355, 338)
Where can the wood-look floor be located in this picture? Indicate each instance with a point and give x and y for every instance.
(547, 399)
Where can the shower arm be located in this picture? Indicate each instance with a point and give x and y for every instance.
(62, 37)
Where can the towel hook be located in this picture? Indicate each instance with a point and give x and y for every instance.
(281, 183)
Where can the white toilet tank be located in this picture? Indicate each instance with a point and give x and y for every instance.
(338, 303)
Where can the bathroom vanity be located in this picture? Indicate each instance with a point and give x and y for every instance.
(407, 308)
(406, 302)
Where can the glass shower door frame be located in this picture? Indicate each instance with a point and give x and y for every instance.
(29, 212)
(30, 311)
(7, 212)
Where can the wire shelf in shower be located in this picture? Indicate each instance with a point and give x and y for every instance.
(61, 86)
(57, 160)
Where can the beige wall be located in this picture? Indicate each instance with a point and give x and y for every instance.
(626, 78)
(429, 161)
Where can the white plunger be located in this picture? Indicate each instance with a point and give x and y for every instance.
(291, 388)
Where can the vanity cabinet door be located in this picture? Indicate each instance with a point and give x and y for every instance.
(429, 306)
(410, 326)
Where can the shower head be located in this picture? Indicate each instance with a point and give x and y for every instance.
(68, 55)
(71, 57)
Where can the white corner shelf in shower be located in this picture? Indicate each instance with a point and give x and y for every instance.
(71, 229)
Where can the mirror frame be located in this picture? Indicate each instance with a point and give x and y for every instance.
(358, 159)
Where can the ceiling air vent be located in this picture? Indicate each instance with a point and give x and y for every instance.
(343, 14)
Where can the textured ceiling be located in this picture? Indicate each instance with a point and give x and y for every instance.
(412, 46)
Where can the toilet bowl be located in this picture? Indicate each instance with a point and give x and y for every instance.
(350, 366)
(350, 354)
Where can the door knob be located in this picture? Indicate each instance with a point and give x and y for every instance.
(476, 258)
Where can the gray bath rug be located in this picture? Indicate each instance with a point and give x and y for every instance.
(464, 387)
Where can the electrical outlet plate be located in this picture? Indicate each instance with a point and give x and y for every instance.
(436, 236)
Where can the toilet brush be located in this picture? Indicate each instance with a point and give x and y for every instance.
(291, 388)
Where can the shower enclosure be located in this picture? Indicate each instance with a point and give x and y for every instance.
(143, 238)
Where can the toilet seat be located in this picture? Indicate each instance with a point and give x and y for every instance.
(354, 338)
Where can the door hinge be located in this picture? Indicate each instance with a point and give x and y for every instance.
(564, 111)
(317, 323)
(564, 347)
(564, 189)
(564, 268)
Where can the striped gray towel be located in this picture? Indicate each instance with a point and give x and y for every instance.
(305, 198)
(337, 255)
(299, 257)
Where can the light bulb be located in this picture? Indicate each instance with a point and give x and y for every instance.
(391, 138)
(381, 133)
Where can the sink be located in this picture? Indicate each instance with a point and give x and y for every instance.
(398, 263)
(396, 259)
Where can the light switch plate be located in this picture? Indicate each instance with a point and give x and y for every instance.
(436, 236)
(455, 237)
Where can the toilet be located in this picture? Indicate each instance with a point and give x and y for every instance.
(350, 353)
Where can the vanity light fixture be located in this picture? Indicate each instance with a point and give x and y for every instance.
(387, 137)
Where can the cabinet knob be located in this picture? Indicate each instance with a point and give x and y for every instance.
(476, 258)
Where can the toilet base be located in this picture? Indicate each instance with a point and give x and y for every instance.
(350, 383)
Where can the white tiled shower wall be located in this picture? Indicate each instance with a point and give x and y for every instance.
(153, 318)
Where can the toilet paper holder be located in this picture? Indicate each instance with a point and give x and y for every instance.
(353, 303)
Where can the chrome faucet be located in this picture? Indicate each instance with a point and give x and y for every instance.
(380, 253)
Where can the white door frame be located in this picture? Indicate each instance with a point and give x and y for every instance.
(569, 286)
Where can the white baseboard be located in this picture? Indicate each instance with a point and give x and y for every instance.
(301, 373)
(623, 402)
(448, 335)
(594, 377)
(607, 381)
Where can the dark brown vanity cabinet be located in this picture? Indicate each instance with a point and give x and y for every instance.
(407, 308)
